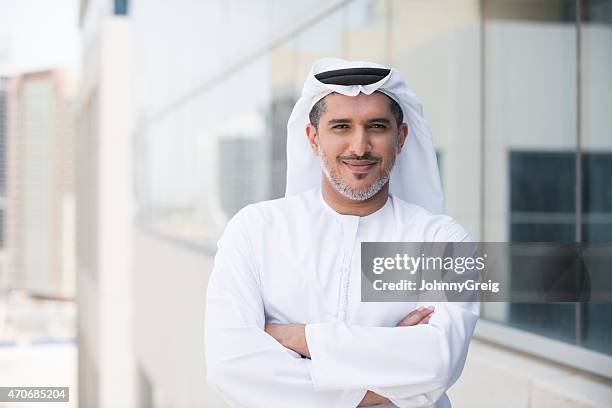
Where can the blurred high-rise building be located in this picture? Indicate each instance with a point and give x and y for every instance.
(39, 184)
(239, 172)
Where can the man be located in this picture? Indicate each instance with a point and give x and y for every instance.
(285, 325)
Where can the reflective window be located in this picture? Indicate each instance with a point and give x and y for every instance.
(596, 142)
(530, 140)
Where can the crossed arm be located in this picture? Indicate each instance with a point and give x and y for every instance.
(410, 366)
(293, 337)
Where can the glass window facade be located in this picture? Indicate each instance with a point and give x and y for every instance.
(518, 95)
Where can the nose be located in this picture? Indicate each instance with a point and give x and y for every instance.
(360, 142)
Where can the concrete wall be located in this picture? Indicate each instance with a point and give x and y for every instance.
(499, 377)
(169, 297)
(104, 202)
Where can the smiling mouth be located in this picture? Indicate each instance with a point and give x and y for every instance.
(359, 166)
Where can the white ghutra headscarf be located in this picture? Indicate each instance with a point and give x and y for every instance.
(415, 177)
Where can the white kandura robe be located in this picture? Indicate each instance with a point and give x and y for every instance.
(296, 260)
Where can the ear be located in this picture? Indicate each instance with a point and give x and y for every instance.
(311, 134)
(403, 133)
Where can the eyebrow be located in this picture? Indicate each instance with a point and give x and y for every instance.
(337, 121)
(380, 120)
(340, 121)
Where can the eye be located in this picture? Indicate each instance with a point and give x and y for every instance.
(378, 126)
(340, 126)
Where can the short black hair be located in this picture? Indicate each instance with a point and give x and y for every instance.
(318, 110)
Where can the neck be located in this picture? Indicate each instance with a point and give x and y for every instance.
(345, 206)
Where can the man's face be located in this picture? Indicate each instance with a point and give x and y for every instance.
(357, 140)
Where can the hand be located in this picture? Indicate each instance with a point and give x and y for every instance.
(417, 316)
(371, 398)
(292, 336)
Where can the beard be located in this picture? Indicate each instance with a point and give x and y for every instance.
(347, 191)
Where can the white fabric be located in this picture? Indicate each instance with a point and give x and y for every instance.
(296, 260)
(415, 177)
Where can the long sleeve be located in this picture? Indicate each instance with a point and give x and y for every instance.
(247, 366)
(412, 366)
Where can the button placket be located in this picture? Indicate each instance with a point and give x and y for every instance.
(349, 234)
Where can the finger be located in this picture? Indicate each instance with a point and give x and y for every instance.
(414, 311)
(409, 320)
(426, 320)
(417, 310)
(416, 316)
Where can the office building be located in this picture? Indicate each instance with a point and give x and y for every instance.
(39, 184)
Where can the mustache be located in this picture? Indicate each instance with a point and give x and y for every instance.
(367, 156)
